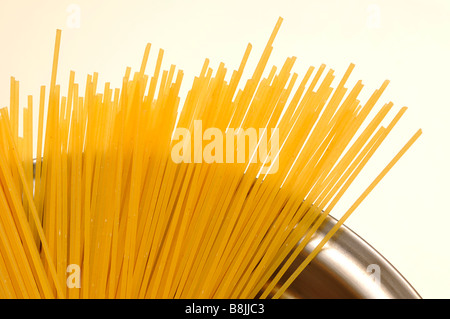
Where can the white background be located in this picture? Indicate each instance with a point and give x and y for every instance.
(406, 217)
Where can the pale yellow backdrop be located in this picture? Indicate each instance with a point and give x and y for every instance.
(407, 217)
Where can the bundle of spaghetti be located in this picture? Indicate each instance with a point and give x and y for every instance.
(139, 212)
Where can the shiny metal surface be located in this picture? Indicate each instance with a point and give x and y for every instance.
(347, 268)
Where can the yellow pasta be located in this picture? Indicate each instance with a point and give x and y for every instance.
(131, 199)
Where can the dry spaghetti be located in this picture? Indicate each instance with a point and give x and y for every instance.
(109, 201)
